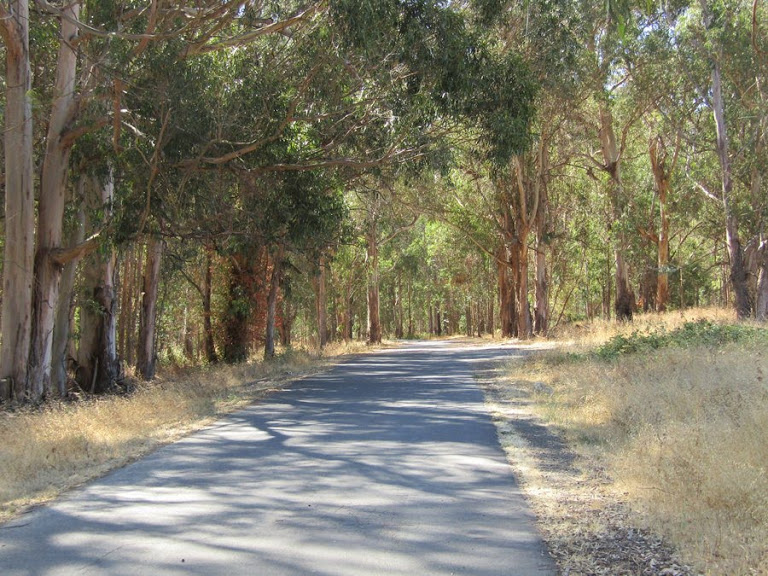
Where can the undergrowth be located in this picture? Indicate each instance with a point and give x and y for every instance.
(702, 332)
(676, 412)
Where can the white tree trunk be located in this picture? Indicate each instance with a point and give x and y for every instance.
(16, 328)
(145, 363)
(51, 211)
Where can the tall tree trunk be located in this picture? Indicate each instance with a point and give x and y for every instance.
(134, 315)
(661, 177)
(274, 286)
(625, 296)
(145, 362)
(491, 313)
(51, 210)
(98, 365)
(19, 246)
(543, 231)
(399, 330)
(506, 296)
(524, 324)
(374, 319)
(322, 305)
(208, 341)
(410, 308)
(738, 274)
(126, 289)
(468, 316)
(63, 322)
(541, 310)
(348, 310)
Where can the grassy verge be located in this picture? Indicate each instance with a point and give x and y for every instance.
(675, 410)
(48, 450)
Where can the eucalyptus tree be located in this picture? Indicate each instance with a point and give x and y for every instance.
(98, 42)
(720, 47)
(18, 248)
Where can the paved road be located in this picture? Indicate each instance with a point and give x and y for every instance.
(388, 464)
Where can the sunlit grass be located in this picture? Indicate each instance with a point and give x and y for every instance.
(680, 429)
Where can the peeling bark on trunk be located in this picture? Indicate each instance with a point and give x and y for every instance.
(98, 366)
(145, 362)
(19, 246)
(51, 211)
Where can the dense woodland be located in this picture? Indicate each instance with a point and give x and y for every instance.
(203, 181)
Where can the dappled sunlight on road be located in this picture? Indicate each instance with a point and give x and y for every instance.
(388, 464)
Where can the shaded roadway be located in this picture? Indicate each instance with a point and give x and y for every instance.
(387, 464)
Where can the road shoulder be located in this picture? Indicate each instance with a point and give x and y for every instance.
(585, 525)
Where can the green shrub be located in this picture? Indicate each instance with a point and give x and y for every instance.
(691, 334)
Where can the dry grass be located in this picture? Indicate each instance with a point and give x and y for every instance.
(681, 433)
(49, 450)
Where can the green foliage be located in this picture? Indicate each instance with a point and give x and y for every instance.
(691, 334)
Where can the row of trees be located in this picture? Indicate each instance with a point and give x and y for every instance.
(199, 180)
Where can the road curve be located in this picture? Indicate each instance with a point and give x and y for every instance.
(387, 464)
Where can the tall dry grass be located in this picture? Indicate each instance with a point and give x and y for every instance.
(51, 449)
(680, 430)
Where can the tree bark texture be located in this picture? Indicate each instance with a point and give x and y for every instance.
(661, 176)
(374, 318)
(18, 255)
(145, 361)
(543, 232)
(63, 322)
(506, 295)
(625, 296)
(51, 211)
(738, 275)
(98, 367)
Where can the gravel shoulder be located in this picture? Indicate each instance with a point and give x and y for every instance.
(586, 526)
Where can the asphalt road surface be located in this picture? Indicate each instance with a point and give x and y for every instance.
(388, 464)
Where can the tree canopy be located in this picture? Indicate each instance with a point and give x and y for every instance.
(198, 181)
